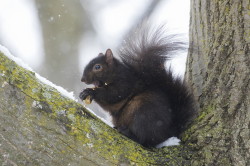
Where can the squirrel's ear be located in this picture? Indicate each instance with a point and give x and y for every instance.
(100, 54)
(109, 56)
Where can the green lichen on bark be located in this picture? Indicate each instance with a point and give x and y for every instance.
(218, 71)
(45, 127)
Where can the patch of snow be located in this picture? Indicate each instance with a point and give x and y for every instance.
(102, 119)
(4, 84)
(7, 53)
(169, 142)
(36, 104)
(64, 92)
(59, 88)
(90, 145)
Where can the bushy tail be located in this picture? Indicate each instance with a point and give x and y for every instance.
(147, 50)
(145, 53)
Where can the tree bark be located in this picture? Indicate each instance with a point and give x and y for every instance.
(218, 72)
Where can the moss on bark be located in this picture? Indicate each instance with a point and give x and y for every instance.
(218, 69)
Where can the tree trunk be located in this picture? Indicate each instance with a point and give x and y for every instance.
(218, 72)
(63, 24)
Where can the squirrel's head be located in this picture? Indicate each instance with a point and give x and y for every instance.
(99, 70)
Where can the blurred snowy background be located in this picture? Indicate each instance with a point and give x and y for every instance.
(57, 38)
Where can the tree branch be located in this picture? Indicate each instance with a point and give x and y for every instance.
(40, 126)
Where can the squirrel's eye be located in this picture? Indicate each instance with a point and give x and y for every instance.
(97, 67)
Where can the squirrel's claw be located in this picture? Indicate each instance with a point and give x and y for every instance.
(87, 92)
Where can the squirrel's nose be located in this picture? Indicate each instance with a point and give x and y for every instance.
(83, 79)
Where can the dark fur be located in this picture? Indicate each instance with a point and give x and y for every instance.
(146, 102)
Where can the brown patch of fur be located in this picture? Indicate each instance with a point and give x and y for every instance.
(128, 112)
(114, 108)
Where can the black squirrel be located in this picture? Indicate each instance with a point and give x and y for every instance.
(147, 104)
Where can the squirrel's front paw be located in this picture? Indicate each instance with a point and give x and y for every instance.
(87, 92)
